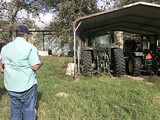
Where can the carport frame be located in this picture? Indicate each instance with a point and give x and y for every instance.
(90, 20)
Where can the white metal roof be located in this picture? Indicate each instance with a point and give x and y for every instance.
(141, 18)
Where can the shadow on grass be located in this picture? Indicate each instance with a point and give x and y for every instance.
(2, 92)
(38, 101)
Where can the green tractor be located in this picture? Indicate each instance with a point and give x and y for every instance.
(100, 52)
(142, 55)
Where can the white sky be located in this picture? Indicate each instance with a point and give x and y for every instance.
(102, 4)
(5, 0)
(45, 19)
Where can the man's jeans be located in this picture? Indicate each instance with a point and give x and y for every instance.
(23, 104)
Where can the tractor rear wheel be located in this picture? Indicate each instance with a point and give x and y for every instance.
(87, 63)
(134, 66)
(118, 62)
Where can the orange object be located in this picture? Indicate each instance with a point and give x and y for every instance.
(149, 56)
(116, 46)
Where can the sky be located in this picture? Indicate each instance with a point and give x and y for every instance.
(112, 4)
(42, 21)
(100, 3)
(46, 18)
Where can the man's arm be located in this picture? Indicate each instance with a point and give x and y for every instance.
(37, 66)
(1, 66)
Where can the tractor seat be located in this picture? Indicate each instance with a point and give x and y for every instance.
(146, 51)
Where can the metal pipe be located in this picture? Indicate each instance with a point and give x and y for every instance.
(43, 41)
(74, 47)
(75, 66)
(78, 54)
(75, 43)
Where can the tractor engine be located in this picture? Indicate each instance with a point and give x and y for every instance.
(100, 55)
(102, 60)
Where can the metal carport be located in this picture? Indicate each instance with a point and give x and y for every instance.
(139, 18)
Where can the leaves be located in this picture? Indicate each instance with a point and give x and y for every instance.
(67, 12)
(125, 2)
(9, 15)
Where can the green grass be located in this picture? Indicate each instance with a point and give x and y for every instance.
(90, 98)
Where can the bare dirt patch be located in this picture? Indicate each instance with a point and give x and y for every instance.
(62, 94)
(141, 78)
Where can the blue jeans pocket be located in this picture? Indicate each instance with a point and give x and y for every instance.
(23, 104)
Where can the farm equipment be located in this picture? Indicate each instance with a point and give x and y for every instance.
(100, 53)
(142, 55)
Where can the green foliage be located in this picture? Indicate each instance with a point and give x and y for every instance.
(6, 30)
(125, 2)
(90, 98)
(10, 19)
(67, 12)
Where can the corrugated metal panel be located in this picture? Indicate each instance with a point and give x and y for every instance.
(141, 18)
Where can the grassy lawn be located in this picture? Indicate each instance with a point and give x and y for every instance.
(90, 98)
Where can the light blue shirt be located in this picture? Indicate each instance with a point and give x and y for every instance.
(18, 56)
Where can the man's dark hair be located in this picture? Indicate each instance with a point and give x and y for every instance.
(19, 34)
(21, 30)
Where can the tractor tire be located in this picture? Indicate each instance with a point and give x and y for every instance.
(134, 66)
(118, 62)
(87, 68)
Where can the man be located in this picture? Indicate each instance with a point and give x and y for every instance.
(1, 66)
(20, 61)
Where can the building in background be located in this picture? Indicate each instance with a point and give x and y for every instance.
(49, 45)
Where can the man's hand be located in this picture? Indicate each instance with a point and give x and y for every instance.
(1, 67)
(37, 66)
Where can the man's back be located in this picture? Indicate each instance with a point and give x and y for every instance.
(18, 57)
(19, 63)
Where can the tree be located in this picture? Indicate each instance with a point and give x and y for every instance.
(3, 30)
(125, 2)
(66, 12)
(9, 14)
(110, 4)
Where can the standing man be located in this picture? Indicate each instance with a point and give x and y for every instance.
(20, 61)
(1, 66)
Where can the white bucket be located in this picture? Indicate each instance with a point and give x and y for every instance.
(70, 69)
